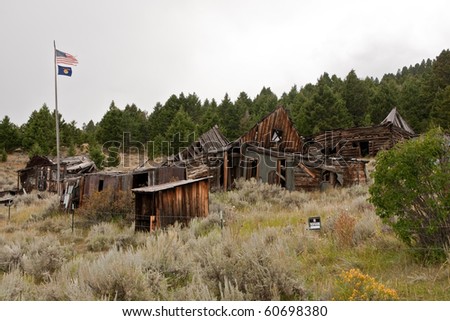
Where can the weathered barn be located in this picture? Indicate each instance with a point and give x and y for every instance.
(162, 205)
(361, 141)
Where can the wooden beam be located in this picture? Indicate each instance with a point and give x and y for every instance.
(225, 171)
(302, 166)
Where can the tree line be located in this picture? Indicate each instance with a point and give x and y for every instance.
(421, 93)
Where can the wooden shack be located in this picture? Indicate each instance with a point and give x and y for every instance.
(150, 176)
(162, 205)
(203, 158)
(361, 141)
(40, 172)
(102, 181)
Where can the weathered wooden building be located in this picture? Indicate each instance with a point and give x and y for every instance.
(276, 131)
(266, 152)
(161, 205)
(77, 189)
(150, 176)
(361, 141)
(270, 152)
(40, 172)
(295, 171)
(329, 172)
(203, 158)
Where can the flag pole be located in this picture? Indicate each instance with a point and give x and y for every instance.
(58, 166)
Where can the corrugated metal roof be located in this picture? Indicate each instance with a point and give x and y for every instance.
(156, 188)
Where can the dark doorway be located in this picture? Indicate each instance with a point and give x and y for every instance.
(100, 185)
(364, 148)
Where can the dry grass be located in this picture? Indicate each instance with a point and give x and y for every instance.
(264, 252)
(8, 170)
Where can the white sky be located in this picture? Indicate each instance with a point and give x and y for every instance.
(142, 52)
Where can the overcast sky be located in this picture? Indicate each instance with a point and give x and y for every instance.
(142, 52)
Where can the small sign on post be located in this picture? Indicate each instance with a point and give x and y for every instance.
(314, 223)
(9, 202)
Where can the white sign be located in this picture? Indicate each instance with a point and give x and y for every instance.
(314, 223)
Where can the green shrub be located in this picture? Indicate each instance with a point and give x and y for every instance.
(411, 193)
(97, 156)
(4, 156)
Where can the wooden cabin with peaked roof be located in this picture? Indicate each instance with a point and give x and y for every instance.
(265, 152)
(360, 142)
(276, 131)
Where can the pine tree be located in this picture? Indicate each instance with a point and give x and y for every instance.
(40, 130)
(356, 97)
(181, 132)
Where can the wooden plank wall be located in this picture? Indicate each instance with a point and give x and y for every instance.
(305, 181)
(261, 133)
(347, 141)
(178, 204)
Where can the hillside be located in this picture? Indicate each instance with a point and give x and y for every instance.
(264, 252)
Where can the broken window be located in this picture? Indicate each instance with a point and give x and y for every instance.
(277, 135)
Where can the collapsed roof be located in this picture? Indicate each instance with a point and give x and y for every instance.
(396, 119)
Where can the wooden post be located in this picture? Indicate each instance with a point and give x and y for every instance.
(225, 171)
(9, 204)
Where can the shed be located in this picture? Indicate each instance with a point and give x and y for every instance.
(162, 205)
(150, 176)
(113, 181)
(40, 172)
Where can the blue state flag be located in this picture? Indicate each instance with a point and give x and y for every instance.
(64, 71)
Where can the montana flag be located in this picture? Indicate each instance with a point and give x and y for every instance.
(65, 58)
(64, 71)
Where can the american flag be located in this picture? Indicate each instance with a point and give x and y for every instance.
(65, 58)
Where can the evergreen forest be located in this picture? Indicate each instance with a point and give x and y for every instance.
(421, 94)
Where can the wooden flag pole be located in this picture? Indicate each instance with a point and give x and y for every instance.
(58, 166)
